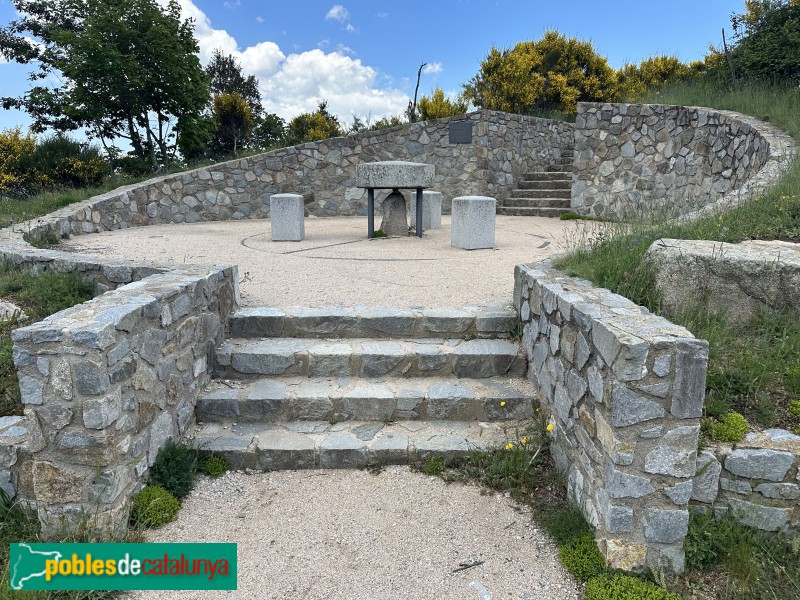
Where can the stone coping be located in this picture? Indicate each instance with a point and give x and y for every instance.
(391, 174)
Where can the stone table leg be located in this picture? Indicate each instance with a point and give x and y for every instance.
(419, 212)
(370, 212)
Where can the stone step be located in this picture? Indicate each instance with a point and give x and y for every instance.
(276, 399)
(480, 322)
(542, 193)
(547, 176)
(536, 202)
(531, 212)
(348, 445)
(545, 184)
(364, 357)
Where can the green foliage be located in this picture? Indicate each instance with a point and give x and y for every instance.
(175, 468)
(434, 465)
(15, 180)
(437, 106)
(154, 507)
(555, 72)
(652, 75)
(730, 428)
(564, 523)
(128, 68)
(234, 121)
(573, 216)
(309, 127)
(269, 131)
(618, 586)
(768, 42)
(581, 557)
(215, 466)
(226, 78)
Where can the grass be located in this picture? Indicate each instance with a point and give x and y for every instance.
(754, 368)
(38, 295)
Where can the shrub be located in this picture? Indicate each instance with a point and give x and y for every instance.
(153, 507)
(215, 466)
(14, 150)
(434, 465)
(581, 557)
(731, 428)
(625, 587)
(175, 468)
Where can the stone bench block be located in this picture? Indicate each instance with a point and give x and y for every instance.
(286, 212)
(431, 209)
(473, 222)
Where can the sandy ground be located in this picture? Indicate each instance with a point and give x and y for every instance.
(353, 535)
(336, 265)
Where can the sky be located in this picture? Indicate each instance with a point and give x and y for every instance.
(362, 56)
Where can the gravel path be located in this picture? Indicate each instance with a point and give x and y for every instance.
(354, 535)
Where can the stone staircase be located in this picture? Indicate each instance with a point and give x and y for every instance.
(339, 388)
(542, 193)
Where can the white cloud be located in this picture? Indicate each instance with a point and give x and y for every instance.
(433, 68)
(349, 28)
(342, 49)
(259, 19)
(337, 13)
(382, 15)
(234, 4)
(296, 83)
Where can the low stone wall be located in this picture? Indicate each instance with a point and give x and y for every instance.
(106, 383)
(756, 481)
(624, 390)
(650, 159)
(503, 147)
(734, 279)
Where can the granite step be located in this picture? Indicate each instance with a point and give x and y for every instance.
(469, 322)
(276, 399)
(347, 445)
(532, 212)
(365, 357)
(545, 184)
(547, 176)
(541, 193)
(536, 202)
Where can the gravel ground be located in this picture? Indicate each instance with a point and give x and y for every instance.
(336, 265)
(354, 535)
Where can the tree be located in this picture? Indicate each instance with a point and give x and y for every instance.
(553, 73)
(768, 41)
(269, 131)
(438, 106)
(226, 77)
(234, 120)
(654, 73)
(129, 69)
(309, 127)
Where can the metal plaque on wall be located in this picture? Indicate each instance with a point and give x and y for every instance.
(461, 132)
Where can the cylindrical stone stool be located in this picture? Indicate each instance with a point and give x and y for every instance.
(286, 211)
(431, 209)
(473, 219)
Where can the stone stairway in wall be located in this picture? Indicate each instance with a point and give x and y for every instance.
(342, 388)
(542, 193)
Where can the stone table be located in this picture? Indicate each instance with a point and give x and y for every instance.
(393, 175)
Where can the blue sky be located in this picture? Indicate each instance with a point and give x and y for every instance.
(362, 56)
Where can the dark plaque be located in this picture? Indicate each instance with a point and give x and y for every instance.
(461, 132)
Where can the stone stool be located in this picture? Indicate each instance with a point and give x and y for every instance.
(431, 209)
(473, 219)
(287, 212)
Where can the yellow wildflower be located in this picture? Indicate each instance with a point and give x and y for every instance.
(550, 427)
(524, 441)
(509, 446)
(503, 403)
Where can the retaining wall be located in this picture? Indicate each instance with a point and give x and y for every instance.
(502, 147)
(624, 390)
(633, 160)
(107, 382)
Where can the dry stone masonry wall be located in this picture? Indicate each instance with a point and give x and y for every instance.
(624, 390)
(642, 159)
(503, 147)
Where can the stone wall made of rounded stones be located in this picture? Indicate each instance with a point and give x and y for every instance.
(644, 159)
(758, 481)
(624, 391)
(104, 385)
(504, 146)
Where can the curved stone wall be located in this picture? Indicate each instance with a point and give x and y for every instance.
(637, 160)
(502, 147)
